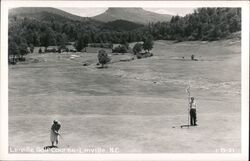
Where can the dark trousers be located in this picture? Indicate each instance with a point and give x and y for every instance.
(193, 117)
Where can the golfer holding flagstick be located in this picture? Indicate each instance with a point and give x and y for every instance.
(192, 109)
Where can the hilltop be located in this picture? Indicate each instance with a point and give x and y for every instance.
(44, 13)
(136, 15)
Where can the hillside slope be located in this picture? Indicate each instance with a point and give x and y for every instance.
(121, 25)
(43, 13)
(137, 15)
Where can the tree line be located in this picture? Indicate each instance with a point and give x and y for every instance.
(204, 24)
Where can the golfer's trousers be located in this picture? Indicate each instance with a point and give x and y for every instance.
(192, 116)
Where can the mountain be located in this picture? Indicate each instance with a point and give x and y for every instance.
(44, 13)
(121, 25)
(49, 27)
(136, 15)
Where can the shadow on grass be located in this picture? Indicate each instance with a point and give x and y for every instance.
(49, 147)
(100, 67)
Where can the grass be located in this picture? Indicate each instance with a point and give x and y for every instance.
(130, 105)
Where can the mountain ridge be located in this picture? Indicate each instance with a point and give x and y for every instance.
(136, 15)
(48, 14)
(37, 12)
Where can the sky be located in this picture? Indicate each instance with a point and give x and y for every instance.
(89, 12)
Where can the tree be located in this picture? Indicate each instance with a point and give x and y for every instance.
(61, 40)
(23, 50)
(40, 51)
(79, 44)
(36, 39)
(31, 48)
(48, 38)
(82, 42)
(120, 49)
(148, 43)
(137, 48)
(13, 51)
(103, 57)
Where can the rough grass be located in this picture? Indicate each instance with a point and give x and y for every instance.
(130, 105)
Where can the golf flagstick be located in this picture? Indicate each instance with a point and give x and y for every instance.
(188, 92)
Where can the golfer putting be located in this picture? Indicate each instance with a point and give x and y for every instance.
(54, 134)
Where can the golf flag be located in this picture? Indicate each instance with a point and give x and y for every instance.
(188, 90)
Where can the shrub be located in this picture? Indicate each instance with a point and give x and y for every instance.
(23, 47)
(53, 50)
(120, 49)
(103, 57)
(144, 55)
(137, 48)
(31, 48)
(13, 52)
(40, 50)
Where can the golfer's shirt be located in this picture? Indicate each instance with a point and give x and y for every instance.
(193, 105)
(55, 127)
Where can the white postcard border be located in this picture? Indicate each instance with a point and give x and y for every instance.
(4, 155)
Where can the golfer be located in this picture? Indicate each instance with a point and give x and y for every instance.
(193, 112)
(54, 132)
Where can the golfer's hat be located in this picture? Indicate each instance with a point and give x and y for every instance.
(55, 121)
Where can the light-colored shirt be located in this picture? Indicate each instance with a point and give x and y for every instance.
(192, 105)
